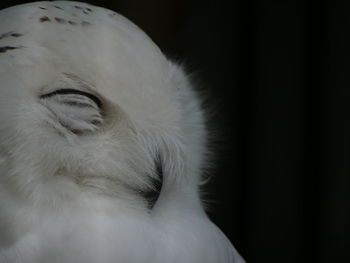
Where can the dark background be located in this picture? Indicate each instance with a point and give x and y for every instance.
(278, 73)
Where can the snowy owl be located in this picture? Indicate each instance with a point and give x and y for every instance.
(102, 143)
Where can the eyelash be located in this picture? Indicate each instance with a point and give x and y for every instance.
(73, 91)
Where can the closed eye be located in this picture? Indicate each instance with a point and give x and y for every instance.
(73, 91)
(73, 111)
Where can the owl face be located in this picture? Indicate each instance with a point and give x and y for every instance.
(88, 102)
(102, 143)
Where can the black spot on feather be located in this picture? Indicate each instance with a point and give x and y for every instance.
(85, 23)
(60, 20)
(44, 19)
(7, 34)
(16, 35)
(6, 48)
(10, 34)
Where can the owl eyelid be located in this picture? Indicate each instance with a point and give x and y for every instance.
(73, 91)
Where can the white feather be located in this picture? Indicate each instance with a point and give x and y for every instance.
(71, 171)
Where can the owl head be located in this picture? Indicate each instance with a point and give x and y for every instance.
(89, 104)
(102, 143)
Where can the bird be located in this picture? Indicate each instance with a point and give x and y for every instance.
(103, 143)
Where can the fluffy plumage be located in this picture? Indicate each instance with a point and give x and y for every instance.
(92, 118)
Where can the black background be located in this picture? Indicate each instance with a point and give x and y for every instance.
(278, 75)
